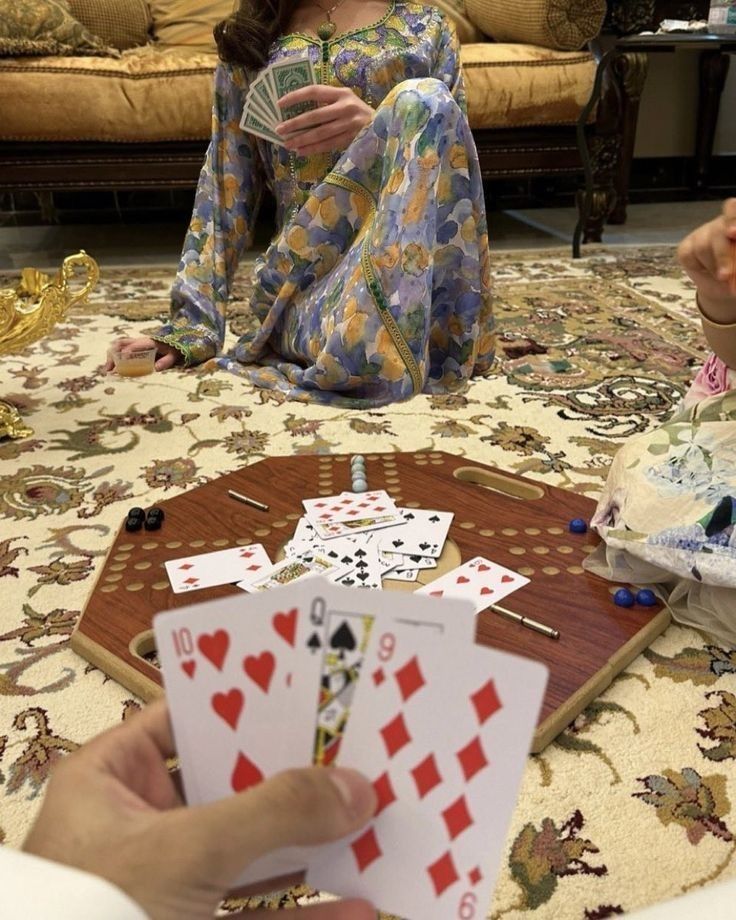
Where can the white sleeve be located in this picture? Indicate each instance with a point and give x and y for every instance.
(38, 889)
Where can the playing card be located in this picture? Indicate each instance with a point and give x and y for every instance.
(412, 562)
(348, 506)
(295, 72)
(479, 580)
(334, 529)
(227, 667)
(252, 124)
(423, 533)
(294, 568)
(445, 748)
(226, 566)
(342, 622)
(407, 575)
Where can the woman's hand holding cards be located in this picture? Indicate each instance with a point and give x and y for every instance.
(334, 125)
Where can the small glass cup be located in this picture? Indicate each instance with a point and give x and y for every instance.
(133, 363)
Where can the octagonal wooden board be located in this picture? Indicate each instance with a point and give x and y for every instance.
(516, 522)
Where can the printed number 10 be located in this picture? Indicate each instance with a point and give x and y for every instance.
(183, 642)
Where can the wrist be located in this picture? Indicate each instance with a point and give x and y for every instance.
(718, 310)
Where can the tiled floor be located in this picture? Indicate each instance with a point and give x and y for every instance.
(160, 244)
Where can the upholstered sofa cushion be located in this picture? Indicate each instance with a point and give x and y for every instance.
(455, 10)
(37, 27)
(148, 94)
(120, 23)
(188, 22)
(564, 25)
(512, 86)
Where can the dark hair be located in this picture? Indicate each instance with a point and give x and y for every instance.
(246, 36)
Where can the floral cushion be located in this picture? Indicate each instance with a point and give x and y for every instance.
(38, 27)
(120, 23)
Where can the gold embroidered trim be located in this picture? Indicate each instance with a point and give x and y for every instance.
(374, 287)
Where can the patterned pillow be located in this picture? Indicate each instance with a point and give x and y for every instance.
(455, 11)
(120, 23)
(33, 27)
(188, 22)
(562, 25)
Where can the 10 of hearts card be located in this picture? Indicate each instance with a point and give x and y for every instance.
(317, 673)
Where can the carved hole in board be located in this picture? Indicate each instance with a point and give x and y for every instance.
(143, 646)
(497, 482)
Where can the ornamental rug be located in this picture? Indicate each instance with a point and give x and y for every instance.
(635, 802)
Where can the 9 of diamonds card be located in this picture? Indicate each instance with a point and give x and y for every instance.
(445, 748)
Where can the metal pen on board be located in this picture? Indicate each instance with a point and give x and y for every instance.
(247, 501)
(535, 625)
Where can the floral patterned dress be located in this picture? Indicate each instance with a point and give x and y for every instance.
(377, 284)
(668, 511)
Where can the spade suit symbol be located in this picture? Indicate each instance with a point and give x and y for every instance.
(343, 638)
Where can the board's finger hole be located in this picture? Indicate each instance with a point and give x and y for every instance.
(497, 482)
(143, 646)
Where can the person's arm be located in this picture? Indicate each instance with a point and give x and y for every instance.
(708, 255)
(38, 889)
(225, 210)
(447, 67)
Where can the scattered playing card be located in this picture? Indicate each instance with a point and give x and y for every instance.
(226, 566)
(445, 748)
(423, 533)
(348, 506)
(480, 580)
(292, 569)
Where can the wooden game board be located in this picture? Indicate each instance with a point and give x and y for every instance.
(516, 522)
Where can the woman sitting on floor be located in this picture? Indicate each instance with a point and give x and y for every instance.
(668, 511)
(376, 285)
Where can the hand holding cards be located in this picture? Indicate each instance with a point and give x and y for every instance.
(262, 112)
(314, 673)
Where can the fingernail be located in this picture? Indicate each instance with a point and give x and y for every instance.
(354, 789)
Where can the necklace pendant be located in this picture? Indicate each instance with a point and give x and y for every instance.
(326, 30)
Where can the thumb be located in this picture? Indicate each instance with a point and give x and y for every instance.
(294, 808)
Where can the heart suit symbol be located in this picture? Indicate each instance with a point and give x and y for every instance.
(285, 625)
(189, 667)
(228, 706)
(214, 647)
(506, 579)
(462, 580)
(245, 774)
(260, 669)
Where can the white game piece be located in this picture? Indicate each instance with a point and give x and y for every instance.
(360, 485)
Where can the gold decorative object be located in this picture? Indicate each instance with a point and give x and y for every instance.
(32, 309)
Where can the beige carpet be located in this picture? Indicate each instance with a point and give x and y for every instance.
(633, 803)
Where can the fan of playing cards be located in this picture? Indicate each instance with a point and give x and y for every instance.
(309, 670)
(391, 685)
(262, 112)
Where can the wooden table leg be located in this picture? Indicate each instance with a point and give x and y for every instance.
(714, 67)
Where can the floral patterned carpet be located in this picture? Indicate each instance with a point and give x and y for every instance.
(633, 803)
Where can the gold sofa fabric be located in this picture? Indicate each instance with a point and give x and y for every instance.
(148, 94)
(515, 86)
(120, 23)
(565, 25)
(188, 22)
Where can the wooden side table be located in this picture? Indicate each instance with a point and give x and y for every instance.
(627, 58)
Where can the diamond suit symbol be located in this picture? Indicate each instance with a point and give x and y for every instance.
(366, 849)
(395, 735)
(426, 776)
(385, 793)
(378, 676)
(475, 875)
(443, 873)
(472, 758)
(409, 677)
(486, 701)
(186, 566)
(457, 818)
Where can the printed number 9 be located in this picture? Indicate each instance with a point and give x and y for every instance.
(183, 642)
(466, 909)
(386, 646)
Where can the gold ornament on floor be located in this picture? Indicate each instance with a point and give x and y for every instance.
(327, 29)
(31, 310)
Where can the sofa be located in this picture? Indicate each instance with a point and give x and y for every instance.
(128, 107)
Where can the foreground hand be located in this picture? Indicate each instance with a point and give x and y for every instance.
(341, 116)
(112, 809)
(708, 255)
(166, 355)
